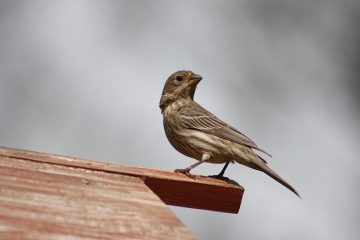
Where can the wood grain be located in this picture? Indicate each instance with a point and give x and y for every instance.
(40, 200)
(174, 189)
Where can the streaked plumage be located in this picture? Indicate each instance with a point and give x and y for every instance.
(197, 133)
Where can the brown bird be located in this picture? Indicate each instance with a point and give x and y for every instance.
(197, 133)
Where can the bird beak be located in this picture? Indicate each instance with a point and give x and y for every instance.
(195, 79)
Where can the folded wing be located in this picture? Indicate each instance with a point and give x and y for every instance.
(197, 118)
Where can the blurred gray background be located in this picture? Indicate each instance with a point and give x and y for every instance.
(84, 78)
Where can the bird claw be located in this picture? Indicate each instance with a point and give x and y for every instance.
(220, 177)
(186, 172)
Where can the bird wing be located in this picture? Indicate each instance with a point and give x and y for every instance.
(197, 118)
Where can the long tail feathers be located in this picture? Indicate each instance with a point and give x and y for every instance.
(279, 179)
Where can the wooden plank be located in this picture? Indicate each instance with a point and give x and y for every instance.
(174, 189)
(41, 200)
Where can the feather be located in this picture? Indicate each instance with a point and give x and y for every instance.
(195, 117)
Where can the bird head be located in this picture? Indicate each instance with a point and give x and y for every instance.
(179, 85)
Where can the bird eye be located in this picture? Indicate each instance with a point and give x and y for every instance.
(179, 78)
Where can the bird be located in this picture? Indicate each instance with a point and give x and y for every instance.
(197, 133)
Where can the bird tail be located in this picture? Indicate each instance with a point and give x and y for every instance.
(259, 163)
(277, 178)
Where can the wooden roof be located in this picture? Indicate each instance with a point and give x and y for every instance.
(46, 196)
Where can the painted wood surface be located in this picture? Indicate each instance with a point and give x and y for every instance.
(46, 196)
(174, 189)
(47, 201)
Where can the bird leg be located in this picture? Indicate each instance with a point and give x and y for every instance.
(186, 171)
(221, 174)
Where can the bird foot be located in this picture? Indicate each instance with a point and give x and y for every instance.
(225, 179)
(220, 177)
(185, 171)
